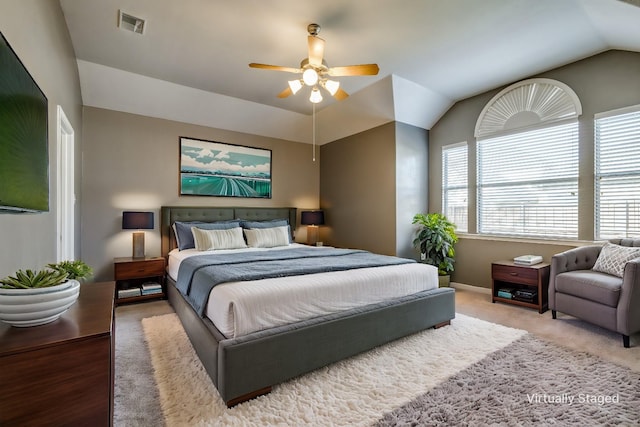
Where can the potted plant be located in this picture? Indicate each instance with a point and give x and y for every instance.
(435, 239)
(76, 270)
(32, 298)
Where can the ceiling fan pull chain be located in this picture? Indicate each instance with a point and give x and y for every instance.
(313, 132)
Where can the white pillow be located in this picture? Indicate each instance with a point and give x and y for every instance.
(206, 240)
(267, 237)
(613, 258)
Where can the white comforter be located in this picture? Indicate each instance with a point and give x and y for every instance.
(239, 308)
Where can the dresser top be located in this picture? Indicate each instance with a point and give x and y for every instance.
(91, 316)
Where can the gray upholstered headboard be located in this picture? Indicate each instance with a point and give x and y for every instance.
(170, 214)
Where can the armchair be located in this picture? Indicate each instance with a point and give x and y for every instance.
(597, 297)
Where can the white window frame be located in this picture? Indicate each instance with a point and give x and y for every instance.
(459, 212)
(535, 205)
(617, 173)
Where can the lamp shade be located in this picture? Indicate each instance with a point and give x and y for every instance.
(137, 220)
(312, 218)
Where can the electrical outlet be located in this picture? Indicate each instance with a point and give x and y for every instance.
(423, 256)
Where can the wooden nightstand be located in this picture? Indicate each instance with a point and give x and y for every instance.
(132, 273)
(508, 275)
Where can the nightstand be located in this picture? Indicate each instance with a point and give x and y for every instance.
(139, 279)
(509, 277)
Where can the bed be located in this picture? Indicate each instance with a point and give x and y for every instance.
(247, 365)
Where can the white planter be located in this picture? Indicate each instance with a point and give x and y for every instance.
(33, 307)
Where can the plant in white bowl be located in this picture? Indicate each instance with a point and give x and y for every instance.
(32, 298)
(76, 270)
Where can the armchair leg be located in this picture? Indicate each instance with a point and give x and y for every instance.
(625, 341)
(553, 314)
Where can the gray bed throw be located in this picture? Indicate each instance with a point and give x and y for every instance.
(197, 275)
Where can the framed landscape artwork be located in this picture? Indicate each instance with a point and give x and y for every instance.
(209, 168)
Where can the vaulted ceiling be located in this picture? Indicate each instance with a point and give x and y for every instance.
(191, 63)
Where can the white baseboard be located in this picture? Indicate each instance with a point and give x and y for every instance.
(471, 288)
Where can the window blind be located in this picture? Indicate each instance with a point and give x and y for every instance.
(617, 174)
(527, 183)
(454, 185)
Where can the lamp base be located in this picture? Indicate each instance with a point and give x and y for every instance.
(312, 235)
(138, 244)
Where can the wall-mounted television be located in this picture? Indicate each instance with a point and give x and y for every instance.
(24, 148)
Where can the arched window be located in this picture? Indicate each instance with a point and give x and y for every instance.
(527, 161)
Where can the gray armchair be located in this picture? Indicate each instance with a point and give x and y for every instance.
(599, 298)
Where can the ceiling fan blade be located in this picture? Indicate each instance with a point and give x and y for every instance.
(285, 93)
(276, 68)
(316, 50)
(355, 70)
(340, 95)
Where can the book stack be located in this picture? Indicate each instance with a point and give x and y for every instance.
(128, 293)
(151, 288)
(526, 295)
(505, 293)
(527, 259)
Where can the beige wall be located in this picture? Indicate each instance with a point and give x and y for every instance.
(603, 82)
(131, 162)
(371, 185)
(37, 32)
(357, 190)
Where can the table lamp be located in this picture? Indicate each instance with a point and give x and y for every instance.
(312, 219)
(137, 221)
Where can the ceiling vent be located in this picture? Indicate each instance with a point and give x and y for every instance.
(131, 23)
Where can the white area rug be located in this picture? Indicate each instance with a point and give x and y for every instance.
(353, 392)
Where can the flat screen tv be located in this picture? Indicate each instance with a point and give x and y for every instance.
(24, 148)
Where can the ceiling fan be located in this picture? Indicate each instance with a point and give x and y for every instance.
(315, 71)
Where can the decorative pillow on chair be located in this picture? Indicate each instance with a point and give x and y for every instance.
(613, 258)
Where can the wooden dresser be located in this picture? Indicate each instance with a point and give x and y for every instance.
(61, 373)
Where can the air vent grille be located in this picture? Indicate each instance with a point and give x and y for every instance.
(131, 23)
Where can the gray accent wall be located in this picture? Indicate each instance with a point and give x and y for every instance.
(371, 185)
(602, 82)
(37, 32)
(131, 162)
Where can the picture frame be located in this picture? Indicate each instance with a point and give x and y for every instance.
(211, 168)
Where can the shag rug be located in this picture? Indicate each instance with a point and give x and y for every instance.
(354, 392)
(529, 382)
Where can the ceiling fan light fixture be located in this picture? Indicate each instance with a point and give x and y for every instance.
(310, 77)
(316, 96)
(332, 86)
(295, 86)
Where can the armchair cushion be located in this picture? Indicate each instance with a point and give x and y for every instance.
(590, 285)
(613, 258)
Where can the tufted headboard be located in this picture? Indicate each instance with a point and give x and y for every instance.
(170, 214)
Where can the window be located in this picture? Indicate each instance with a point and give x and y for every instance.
(454, 185)
(617, 173)
(528, 182)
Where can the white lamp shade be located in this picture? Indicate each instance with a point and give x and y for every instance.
(295, 86)
(332, 86)
(316, 96)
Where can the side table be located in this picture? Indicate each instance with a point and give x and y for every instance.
(507, 274)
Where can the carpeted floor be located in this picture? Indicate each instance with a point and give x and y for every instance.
(353, 392)
(137, 398)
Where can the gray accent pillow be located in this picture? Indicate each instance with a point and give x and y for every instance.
(184, 236)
